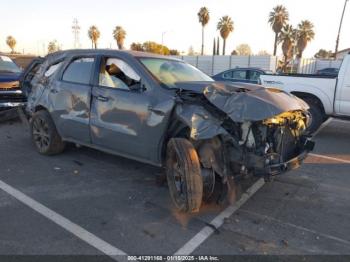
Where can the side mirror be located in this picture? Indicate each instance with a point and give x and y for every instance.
(137, 87)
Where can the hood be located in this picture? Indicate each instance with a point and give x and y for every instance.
(9, 77)
(246, 102)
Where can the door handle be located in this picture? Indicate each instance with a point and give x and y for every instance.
(53, 91)
(158, 112)
(102, 98)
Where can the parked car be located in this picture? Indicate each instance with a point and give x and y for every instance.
(10, 92)
(165, 112)
(330, 71)
(326, 95)
(245, 75)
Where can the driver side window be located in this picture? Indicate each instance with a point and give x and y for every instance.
(115, 73)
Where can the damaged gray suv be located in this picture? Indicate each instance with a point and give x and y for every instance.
(167, 113)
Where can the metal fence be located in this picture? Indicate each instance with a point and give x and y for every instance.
(312, 65)
(216, 64)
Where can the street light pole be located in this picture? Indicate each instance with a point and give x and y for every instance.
(163, 33)
(340, 25)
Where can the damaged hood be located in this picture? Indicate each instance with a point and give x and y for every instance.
(245, 102)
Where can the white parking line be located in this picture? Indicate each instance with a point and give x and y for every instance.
(63, 222)
(331, 158)
(206, 232)
(326, 123)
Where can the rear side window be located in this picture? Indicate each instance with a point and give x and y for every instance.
(79, 71)
(239, 74)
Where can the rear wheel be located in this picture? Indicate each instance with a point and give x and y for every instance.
(44, 134)
(184, 175)
(317, 115)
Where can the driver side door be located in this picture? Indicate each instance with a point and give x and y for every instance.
(122, 116)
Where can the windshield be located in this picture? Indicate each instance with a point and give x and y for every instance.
(169, 72)
(8, 66)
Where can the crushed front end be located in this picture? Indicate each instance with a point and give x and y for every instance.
(268, 147)
(240, 130)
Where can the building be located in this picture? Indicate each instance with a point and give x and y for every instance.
(342, 53)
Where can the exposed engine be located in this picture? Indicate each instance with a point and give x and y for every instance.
(266, 142)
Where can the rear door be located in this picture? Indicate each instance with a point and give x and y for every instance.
(70, 98)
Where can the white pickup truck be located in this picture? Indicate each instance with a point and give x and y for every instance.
(326, 96)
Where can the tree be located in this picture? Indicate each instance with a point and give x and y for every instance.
(203, 17)
(287, 38)
(152, 47)
(305, 34)
(243, 49)
(234, 52)
(324, 54)
(263, 52)
(278, 18)
(218, 46)
(214, 47)
(225, 26)
(94, 35)
(174, 52)
(136, 47)
(119, 35)
(11, 42)
(53, 47)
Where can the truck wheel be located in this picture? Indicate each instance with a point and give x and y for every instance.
(317, 115)
(44, 134)
(184, 175)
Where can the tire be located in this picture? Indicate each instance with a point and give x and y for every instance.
(44, 134)
(184, 175)
(317, 116)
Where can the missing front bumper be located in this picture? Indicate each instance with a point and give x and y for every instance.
(280, 168)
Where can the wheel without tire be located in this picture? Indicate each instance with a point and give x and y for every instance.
(184, 175)
(44, 134)
(317, 115)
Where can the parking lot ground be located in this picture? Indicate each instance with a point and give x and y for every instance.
(118, 201)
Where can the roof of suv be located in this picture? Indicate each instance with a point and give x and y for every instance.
(108, 52)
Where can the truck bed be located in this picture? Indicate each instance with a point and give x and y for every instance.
(321, 86)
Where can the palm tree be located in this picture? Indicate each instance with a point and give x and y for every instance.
(203, 17)
(53, 46)
(11, 42)
(94, 35)
(278, 18)
(305, 34)
(119, 35)
(225, 26)
(287, 38)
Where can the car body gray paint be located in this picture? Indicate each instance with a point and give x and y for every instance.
(134, 123)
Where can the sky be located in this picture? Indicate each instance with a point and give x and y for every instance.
(34, 23)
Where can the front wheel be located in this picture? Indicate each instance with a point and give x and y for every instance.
(184, 175)
(44, 134)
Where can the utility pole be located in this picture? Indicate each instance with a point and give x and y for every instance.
(340, 25)
(76, 32)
